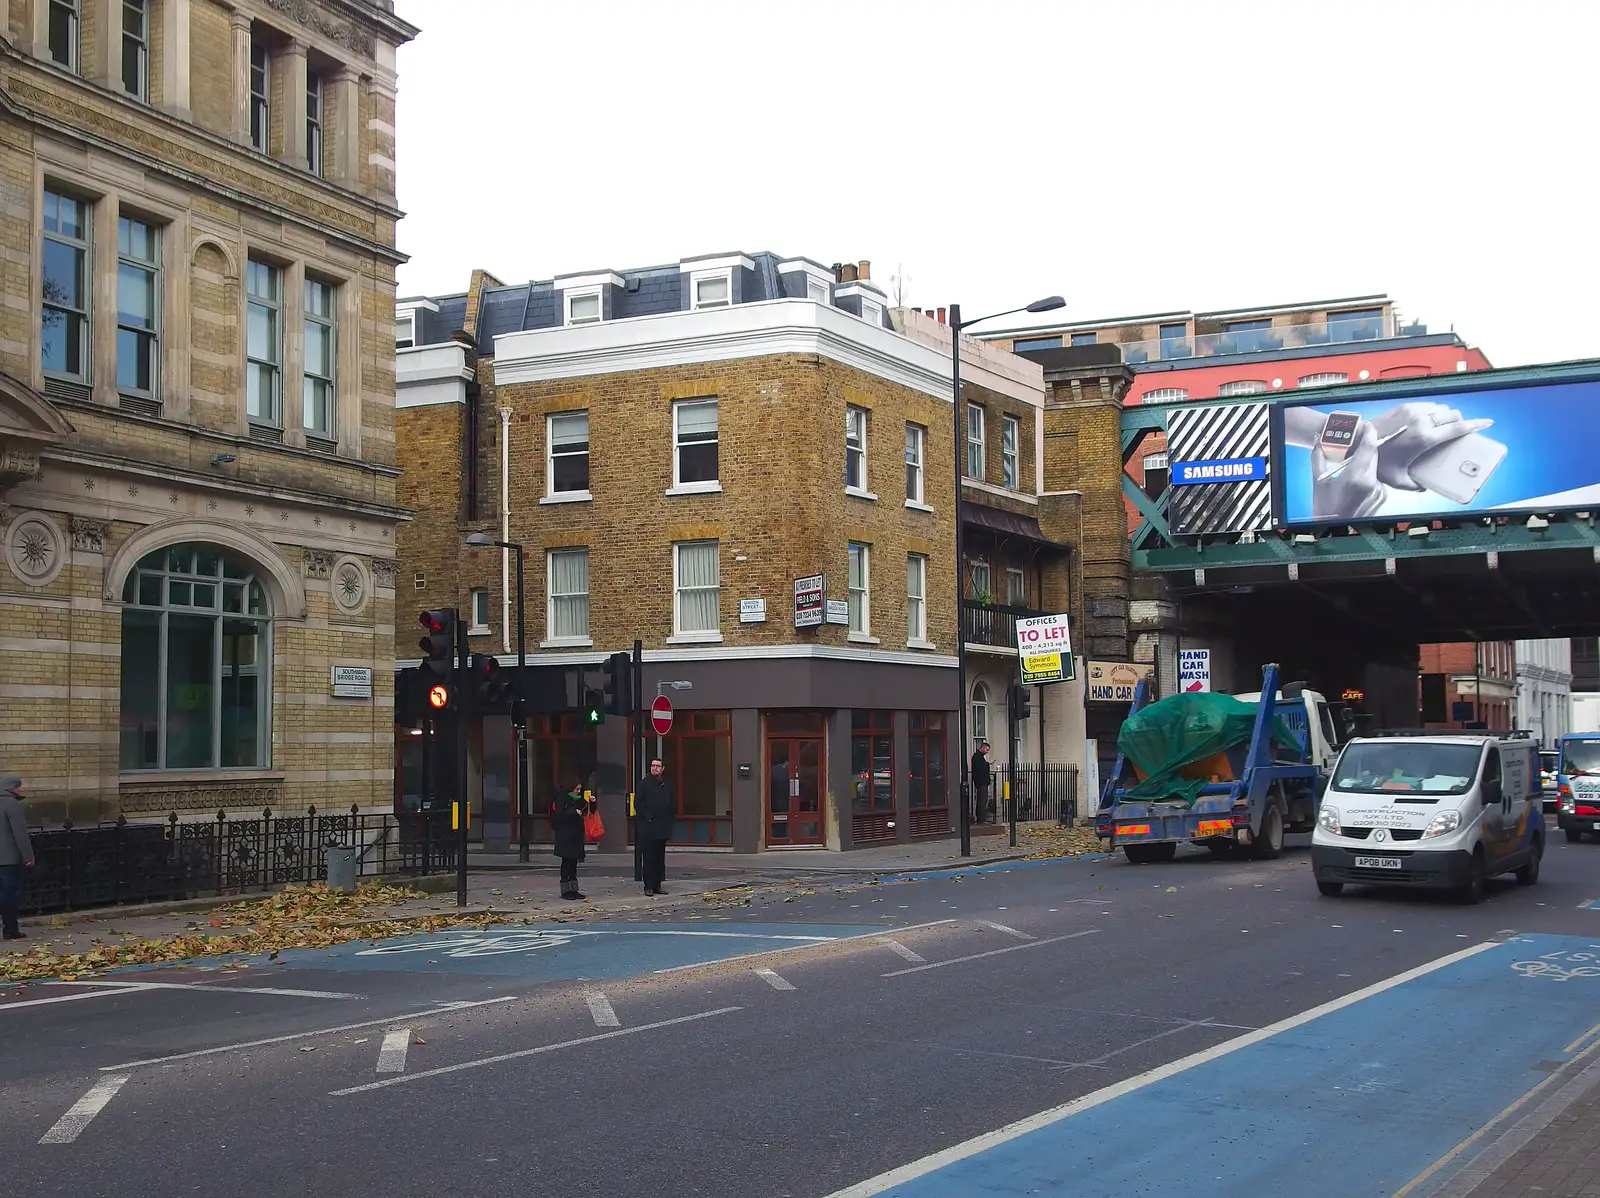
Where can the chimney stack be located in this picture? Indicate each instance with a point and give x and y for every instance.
(865, 270)
(941, 315)
(847, 273)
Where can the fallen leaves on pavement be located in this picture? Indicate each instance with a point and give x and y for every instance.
(1055, 841)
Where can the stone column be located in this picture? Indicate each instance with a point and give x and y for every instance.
(292, 62)
(100, 42)
(342, 136)
(380, 124)
(175, 58)
(240, 23)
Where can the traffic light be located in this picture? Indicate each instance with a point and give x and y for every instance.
(441, 698)
(489, 688)
(1021, 703)
(618, 693)
(594, 707)
(439, 645)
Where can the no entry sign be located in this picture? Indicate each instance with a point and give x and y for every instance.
(661, 715)
(1044, 650)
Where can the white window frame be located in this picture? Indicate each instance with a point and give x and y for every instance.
(1242, 387)
(859, 555)
(1165, 395)
(975, 461)
(83, 245)
(917, 601)
(679, 634)
(979, 568)
(710, 276)
(309, 379)
(274, 416)
(570, 639)
(478, 609)
(150, 266)
(704, 486)
(261, 98)
(1325, 378)
(916, 460)
(74, 14)
(817, 291)
(315, 143)
(871, 311)
(979, 721)
(550, 456)
(140, 44)
(1010, 454)
(1020, 598)
(408, 320)
(583, 293)
(856, 421)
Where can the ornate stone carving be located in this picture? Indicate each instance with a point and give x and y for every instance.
(350, 588)
(34, 548)
(302, 12)
(318, 563)
(252, 796)
(383, 572)
(89, 535)
(17, 465)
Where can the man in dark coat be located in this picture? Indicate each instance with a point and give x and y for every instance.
(566, 836)
(16, 852)
(980, 783)
(655, 811)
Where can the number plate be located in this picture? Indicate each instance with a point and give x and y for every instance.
(1379, 863)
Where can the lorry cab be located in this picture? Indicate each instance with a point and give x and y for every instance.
(1578, 784)
(1313, 719)
(1435, 810)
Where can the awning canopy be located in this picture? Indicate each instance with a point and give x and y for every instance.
(1010, 524)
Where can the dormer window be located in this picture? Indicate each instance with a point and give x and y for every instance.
(713, 291)
(589, 298)
(814, 282)
(870, 312)
(817, 291)
(405, 330)
(583, 307)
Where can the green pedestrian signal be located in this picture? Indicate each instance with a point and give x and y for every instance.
(594, 710)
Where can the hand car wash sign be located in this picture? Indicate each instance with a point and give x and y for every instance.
(1044, 650)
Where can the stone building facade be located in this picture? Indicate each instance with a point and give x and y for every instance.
(674, 448)
(197, 457)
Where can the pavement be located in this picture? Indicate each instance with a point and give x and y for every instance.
(1079, 1027)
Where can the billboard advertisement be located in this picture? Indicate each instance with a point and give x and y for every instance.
(1220, 470)
(1453, 453)
(1115, 681)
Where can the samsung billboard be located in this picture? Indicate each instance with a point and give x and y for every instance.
(1453, 453)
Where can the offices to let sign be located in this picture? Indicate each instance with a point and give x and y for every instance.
(1044, 650)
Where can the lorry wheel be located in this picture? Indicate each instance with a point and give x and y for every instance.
(1163, 852)
(1573, 835)
(1269, 842)
(1137, 854)
(1330, 889)
(1477, 880)
(1528, 874)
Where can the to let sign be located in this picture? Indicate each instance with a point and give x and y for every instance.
(352, 682)
(1044, 650)
(808, 593)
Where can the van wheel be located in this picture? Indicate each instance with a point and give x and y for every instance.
(1330, 889)
(1477, 880)
(1529, 873)
(1573, 835)
(1269, 843)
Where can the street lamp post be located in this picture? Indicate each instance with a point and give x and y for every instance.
(481, 540)
(1048, 304)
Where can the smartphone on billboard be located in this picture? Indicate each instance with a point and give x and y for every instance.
(1458, 469)
(1338, 434)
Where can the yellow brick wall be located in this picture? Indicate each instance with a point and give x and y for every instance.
(211, 66)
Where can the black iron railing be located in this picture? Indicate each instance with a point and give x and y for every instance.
(992, 623)
(1041, 792)
(108, 864)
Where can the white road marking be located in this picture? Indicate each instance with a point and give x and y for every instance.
(449, 1008)
(531, 1052)
(767, 952)
(41, 1002)
(70, 1126)
(938, 1160)
(207, 986)
(899, 949)
(600, 1008)
(994, 952)
(1000, 927)
(392, 1053)
(772, 979)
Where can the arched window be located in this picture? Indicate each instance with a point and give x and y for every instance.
(1164, 395)
(1326, 378)
(196, 689)
(980, 714)
(1242, 387)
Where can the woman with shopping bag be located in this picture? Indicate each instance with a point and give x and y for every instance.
(569, 815)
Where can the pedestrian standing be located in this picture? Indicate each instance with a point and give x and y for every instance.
(16, 854)
(980, 782)
(566, 836)
(657, 810)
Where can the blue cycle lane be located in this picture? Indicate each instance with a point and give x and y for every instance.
(1359, 1099)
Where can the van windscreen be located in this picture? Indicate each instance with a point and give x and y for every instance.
(1580, 757)
(1407, 766)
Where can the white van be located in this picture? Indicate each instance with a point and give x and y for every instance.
(1439, 810)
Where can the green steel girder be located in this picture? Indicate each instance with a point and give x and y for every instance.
(1153, 511)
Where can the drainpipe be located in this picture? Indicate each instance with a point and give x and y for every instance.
(505, 526)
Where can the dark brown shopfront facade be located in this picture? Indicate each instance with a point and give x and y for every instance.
(764, 753)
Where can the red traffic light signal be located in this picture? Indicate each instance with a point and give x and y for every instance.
(438, 647)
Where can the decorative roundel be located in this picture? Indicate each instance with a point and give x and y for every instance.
(351, 587)
(35, 549)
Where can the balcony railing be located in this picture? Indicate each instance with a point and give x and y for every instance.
(1253, 341)
(992, 623)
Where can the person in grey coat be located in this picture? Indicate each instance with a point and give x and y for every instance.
(16, 852)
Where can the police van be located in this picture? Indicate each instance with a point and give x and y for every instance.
(1442, 810)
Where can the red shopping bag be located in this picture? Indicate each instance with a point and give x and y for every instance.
(593, 828)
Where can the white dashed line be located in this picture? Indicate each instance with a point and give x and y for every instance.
(899, 949)
(70, 1126)
(600, 1008)
(1000, 927)
(772, 979)
(994, 952)
(392, 1055)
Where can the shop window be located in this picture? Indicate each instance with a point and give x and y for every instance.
(558, 751)
(872, 762)
(925, 774)
(698, 755)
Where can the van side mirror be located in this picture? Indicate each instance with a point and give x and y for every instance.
(1492, 793)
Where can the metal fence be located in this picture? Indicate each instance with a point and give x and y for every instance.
(1041, 792)
(122, 862)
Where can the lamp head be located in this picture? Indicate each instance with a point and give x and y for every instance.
(1048, 304)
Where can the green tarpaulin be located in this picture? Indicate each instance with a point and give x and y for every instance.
(1167, 735)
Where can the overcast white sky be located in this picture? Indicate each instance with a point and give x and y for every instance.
(1132, 156)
